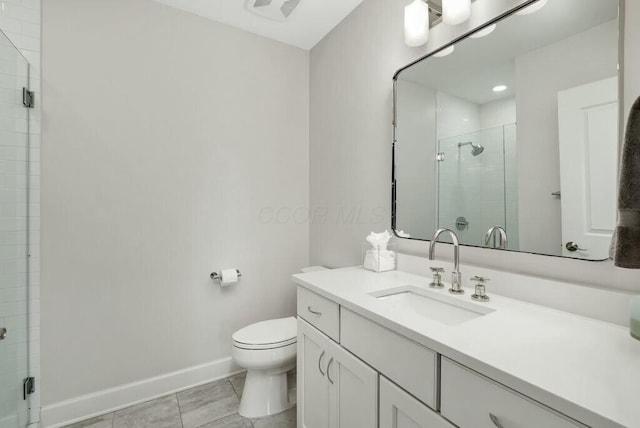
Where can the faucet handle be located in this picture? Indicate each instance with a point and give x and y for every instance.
(480, 293)
(437, 277)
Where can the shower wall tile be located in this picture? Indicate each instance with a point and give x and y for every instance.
(456, 116)
(20, 20)
(498, 113)
(479, 188)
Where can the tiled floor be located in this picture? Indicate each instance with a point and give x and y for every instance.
(214, 405)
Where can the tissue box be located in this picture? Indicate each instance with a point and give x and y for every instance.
(379, 260)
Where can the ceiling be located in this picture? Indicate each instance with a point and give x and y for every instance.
(306, 26)
(477, 65)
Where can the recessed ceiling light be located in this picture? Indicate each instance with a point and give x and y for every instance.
(445, 52)
(533, 8)
(483, 32)
(500, 88)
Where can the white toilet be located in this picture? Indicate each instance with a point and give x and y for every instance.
(267, 350)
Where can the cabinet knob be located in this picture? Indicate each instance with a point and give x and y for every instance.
(3, 333)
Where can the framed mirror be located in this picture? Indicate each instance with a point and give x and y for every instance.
(510, 136)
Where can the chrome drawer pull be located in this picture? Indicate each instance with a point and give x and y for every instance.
(320, 363)
(313, 312)
(329, 374)
(495, 420)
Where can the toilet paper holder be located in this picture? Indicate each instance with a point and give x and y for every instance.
(217, 276)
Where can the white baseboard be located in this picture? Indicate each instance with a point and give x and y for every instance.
(99, 403)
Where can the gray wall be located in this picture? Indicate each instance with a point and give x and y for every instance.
(350, 134)
(170, 143)
(350, 128)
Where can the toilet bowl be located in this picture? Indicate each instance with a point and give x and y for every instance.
(267, 350)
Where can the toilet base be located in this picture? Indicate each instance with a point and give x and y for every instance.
(265, 393)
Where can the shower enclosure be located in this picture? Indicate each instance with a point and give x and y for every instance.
(477, 184)
(15, 382)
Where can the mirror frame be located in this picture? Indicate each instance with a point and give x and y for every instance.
(508, 13)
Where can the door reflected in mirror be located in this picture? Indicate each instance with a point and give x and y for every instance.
(512, 140)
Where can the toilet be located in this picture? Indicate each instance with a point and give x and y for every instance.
(267, 350)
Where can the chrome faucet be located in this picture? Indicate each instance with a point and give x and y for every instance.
(456, 276)
(502, 240)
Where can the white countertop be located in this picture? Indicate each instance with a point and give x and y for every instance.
(585, 368)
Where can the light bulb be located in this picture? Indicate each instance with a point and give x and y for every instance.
(455, 12)
(416, 23)
(483, 32)
(500, 88)
(534, 7)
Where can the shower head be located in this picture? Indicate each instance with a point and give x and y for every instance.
(476, 149)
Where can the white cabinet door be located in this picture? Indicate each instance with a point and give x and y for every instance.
(313, 386)
(398, 409)
(353, 391)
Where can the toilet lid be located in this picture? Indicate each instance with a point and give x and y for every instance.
(271, 333)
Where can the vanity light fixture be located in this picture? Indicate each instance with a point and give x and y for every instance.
(420, 15)
(500, 88)
(455, 12)
(484, 32)
(445, 52)
(534, 7)
(416, 23)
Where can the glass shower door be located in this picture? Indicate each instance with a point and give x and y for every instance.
(471, 184)
(14, 252)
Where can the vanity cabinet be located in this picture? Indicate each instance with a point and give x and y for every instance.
(398, 409)
(472, 400)
(335, 389)
(322, 313)
(312, 385)
(405, 362)
(355, 373)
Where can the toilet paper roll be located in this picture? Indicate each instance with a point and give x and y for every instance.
(229, 277)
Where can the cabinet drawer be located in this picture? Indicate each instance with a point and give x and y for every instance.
(471, 400)
(322, 313)
(400, 410)
(408, 364)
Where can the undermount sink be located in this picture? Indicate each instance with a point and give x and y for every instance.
(434, 306)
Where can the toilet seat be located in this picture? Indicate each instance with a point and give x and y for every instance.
(269, 334)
